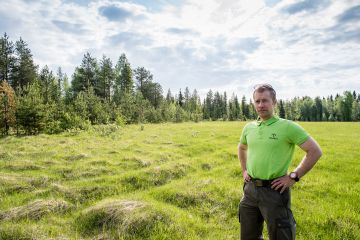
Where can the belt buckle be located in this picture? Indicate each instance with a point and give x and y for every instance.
(258, 183)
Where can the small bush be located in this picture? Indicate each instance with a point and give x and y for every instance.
(120, 121)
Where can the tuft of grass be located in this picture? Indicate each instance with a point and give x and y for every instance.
(156, 176)
(22, 167)
(76, 157)
(9, 232)
(35, 210)
(106, 130)
(5, 156)
(121, 218)
(184, 199)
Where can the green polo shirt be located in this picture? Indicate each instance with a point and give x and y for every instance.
(271, 146)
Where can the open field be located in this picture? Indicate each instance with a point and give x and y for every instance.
(164, 181)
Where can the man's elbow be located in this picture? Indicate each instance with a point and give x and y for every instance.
(317, 153)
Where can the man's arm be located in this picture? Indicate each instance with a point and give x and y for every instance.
(313, 153)
(242, 155)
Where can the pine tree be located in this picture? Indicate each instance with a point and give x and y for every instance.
(48, 85)
(85, 76)
(6, 58)
(30, 113)
(106, 79)
(142, 77)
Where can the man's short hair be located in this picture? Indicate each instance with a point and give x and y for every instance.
(265, 87)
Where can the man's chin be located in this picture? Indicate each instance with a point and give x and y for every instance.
(264, 115)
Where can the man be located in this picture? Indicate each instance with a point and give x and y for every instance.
(265, 152)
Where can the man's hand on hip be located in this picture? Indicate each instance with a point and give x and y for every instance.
(246, 176)
(282, 183)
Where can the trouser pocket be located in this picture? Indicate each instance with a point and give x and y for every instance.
(285, 229)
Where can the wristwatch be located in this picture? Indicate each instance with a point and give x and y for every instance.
(294, 176)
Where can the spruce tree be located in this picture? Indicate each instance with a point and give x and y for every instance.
(24, 70)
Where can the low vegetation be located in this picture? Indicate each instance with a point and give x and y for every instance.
(163, 181)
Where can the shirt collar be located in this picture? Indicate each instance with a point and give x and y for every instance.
(268, 122)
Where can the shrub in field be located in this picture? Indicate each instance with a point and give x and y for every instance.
(72, 120)
(35, 210)
(122, 218)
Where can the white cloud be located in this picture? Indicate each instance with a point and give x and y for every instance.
(223, 45)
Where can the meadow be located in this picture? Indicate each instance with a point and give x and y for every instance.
(164, 181)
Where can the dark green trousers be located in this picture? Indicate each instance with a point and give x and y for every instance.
(261, 204)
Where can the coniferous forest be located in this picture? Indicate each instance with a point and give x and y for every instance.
(34, 100)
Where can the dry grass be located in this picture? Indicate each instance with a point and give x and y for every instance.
(122, 217)
(35, 210)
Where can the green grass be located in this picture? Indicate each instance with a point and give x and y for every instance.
(164, 181)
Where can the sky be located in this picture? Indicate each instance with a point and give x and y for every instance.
(308, 47)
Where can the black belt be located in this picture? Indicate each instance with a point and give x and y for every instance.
(261, 183)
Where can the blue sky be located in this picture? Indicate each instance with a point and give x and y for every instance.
(309, 47)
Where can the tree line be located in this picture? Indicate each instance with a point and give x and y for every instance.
(37, 100)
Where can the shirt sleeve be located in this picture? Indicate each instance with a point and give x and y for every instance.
(296, 133)
(243, 139)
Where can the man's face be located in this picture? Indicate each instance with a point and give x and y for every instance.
(264, 104)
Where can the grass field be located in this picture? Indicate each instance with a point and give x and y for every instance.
(164, 181)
